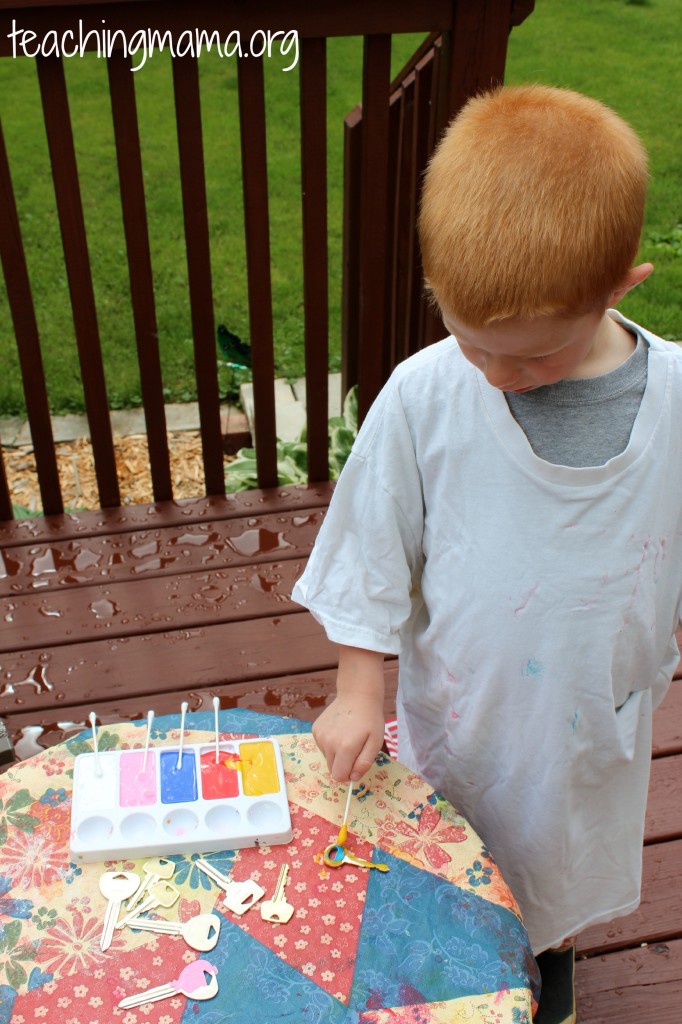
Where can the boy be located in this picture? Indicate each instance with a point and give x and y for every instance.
(509, 521)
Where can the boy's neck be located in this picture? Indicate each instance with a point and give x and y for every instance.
(613, 345)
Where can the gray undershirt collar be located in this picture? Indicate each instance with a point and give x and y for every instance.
(583, 421)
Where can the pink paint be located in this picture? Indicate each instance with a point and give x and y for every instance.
(504, 990)
(218, 782)
(137, 788)
(526, 598)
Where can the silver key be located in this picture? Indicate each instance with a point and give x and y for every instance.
(238, 896)
(191, 983)
(277, 909)
(154, 871)
(115, 886)
(200, 932)
(161, 894)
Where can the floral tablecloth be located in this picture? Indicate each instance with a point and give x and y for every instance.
(436, 939)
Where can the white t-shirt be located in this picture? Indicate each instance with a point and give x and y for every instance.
(533, 607)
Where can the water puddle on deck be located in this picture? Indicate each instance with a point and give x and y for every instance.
(258, 542)
(104, 609)
(36, 679)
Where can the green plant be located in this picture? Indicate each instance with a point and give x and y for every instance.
(21, 512)
(343, 430)
(292, 456)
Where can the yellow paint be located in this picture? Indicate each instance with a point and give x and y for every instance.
(259, 768)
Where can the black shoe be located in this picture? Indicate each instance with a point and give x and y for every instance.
(557, 995)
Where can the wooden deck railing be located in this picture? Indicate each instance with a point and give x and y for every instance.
(382, 282)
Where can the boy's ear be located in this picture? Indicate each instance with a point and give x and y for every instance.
(633, 277)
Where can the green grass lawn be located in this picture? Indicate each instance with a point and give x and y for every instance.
(629, 55)
(624, 53)
(91, 115)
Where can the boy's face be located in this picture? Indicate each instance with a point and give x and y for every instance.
(522, 355)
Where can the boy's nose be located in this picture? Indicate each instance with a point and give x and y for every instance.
(500, 371)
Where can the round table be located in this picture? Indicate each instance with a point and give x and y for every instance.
(435, 939)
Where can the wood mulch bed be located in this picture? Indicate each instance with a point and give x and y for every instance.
(77, 471)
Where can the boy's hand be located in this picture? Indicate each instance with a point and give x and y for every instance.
(350, 732)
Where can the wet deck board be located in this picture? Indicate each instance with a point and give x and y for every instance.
(43, 567)
(141, 607)
(664, 806)
(659, 915)
(147, 606)
(667, 738)
(631, 986)
(303, 696)
(129, 518)
(172, 661)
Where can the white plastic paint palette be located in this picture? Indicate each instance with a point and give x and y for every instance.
(178, 801)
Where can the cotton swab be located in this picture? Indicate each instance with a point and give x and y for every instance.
(216, 708)
(93, 725)
(150, 719)
(183, 712)
(343, 831)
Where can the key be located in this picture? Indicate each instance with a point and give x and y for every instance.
(238, 896)
(115, 886)
(200, 932)
(191, 983)
(334, 856)
(155, 870)
(161, 894)
(277, 909)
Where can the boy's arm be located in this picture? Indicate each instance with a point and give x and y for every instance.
(350, 732)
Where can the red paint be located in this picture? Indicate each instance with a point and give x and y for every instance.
(217, 780)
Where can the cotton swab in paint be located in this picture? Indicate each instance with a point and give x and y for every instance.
(150, 719)
(343, 831)
(93, 724)
(216, 707)
(183, 712)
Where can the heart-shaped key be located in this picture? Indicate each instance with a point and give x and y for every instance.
(191, 983)
(200, 932)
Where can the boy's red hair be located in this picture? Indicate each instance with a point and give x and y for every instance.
(532, 206)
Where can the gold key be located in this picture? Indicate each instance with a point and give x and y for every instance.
(277, 910)
(156, 870)
(161, 894)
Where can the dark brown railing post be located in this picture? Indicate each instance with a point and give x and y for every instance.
(28, 343)
(70, 209)
(374, 295)
(193, 181)
(315, 261)
(257, 226)
(131, 184)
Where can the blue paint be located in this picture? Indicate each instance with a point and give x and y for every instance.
(178, 785)
(532, 668)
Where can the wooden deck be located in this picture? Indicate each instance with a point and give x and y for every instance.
(118, 611)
